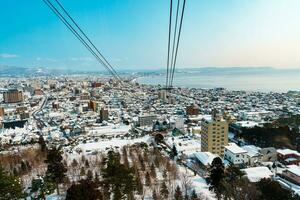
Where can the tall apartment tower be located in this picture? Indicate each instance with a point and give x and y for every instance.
(214, 135)
(13, 96)
(103, 114)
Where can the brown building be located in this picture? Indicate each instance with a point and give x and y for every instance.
(1, 111)
(96, 85)
(103, 114)
(13, 96)
(288, 156)
(21, 109)
(192, 110)
(93, 105)
(38, 92)
(292, 174)
(55, 105)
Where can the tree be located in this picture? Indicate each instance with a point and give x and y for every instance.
(89, 175)
(42, 144)
(152, 171)
(55, 169)
(186, 183)
(154, 195)
(194, 195)
(216, 176)
(174, 152)
(40, 187)
(272, 190)
(84, 190)
(178, 194)
(147, 179)
(164, 191)
(118, 179)
(10, 186)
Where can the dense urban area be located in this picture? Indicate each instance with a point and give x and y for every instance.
(85, 137)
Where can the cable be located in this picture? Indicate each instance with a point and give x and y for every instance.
(69, 26)
(173, 45)
(170, 25)
(66, 12)
(178, 39)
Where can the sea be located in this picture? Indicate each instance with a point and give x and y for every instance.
(271, 81)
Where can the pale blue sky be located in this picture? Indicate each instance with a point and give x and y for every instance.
(133, 33)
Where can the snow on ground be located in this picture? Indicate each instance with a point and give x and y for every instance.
(254, 174)
(109, 130)
(104, 144)
(199, 184)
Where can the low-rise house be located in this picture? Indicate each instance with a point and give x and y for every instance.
(255, 174)
(288, 156)
(253, 154)
(235, 154)
(292, 174)
(269, 154)
(204, 158)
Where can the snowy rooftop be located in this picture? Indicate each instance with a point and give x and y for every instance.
(234, 148)
(247, 124)
(287, 152)
(205, 158)
(254, 174)
(294, 169)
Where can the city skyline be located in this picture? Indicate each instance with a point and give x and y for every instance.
(133, 34)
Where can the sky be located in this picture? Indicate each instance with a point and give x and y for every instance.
(132, 34)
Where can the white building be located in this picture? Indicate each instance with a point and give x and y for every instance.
(179, 123)
(147, 120)
(235, 154)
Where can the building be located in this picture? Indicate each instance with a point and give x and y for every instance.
(96, 85)
(103, 114)
(269, 154)
(204, 158)
(179, 123)
(13, 96)
(93, 105)
(55, 105)
(192, 110)
(254, 157)
(292, 174)
(1, 112)
(214, 135)
(288, 156)
(235, 154)
(38, 92)
(162, 94)
(147, 120)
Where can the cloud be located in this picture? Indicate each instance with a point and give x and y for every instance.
(46, 59)
(89, 59)
(8, 55)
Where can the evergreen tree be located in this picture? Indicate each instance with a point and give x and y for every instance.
(74, 163)
(41, 187)
(118, 179)
(154, 195)
(164, 191)
(55, 169)
(42, 144)
(178, 194)
(89, 175)
(194, 195)
(272, 190)
(174, 152)
(10, 186)
(216, 176)
(84, 190)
